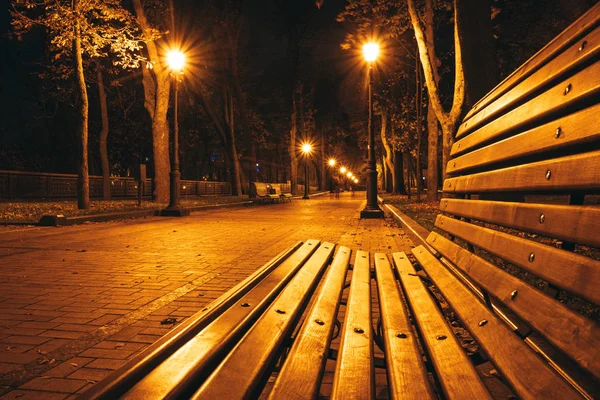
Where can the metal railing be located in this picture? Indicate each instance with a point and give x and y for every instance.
(40, 185)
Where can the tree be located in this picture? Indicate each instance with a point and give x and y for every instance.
(76, 30)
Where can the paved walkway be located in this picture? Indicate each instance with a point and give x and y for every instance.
(78, 302)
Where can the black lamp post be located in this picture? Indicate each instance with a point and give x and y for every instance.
(176, 60)
(306, 149)
(331, 163)
(371, 210)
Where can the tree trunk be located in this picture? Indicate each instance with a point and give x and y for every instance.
(237, 187)
(399, 187)
(323, 169)
(103, 135)
(292, 147)
(156, 101)
(448, 120)
(388, 162)
(406, 157)
(432, 154)
(83, 183)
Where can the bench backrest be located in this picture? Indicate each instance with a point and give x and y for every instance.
(522, 195)
(276, 188)
(261, 189)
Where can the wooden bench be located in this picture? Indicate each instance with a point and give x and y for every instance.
(530, 142)
(263, 193)
(284, 196)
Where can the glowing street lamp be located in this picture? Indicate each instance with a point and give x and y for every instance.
(176, 61)
(306, 149)
(343, 170)
(371, 210)
(349, 174)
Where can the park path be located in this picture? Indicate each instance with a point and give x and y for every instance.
(78, 302)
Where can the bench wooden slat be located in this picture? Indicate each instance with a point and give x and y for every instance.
(456, 374)
(556, 69)
(302, 371)
(242, 371)
(407, 377)
(575, 273)
(567, 330)
(529, 376)
(583, 85)
(575, 224)
(571, 34)
(198, 355)
(575, 129)
(581, 171)
(354, 376)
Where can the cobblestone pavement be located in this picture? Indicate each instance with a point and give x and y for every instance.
(78, 302)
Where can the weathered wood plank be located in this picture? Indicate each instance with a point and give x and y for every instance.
(581, 171)
(569, 331)
(529, 376)
(302, 371)
(456, 374)
(354, 376)
(557, 69)
(575, 273)
(407, 377)
(571, 34)
(552, 102)
(575, 224)
(574, 129)
(243, 370)
(200, 353)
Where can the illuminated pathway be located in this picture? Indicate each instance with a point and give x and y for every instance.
(77, 302)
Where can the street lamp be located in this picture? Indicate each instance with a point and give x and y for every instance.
(371, 210)
(331, 163)
(176, 61)
(306, 149)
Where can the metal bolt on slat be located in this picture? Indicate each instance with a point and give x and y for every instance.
(582, 46)
(513, 294)
(359, 330)
(245, 305)
(558, 132)
(483, 322)
(548, 175)
(401, 335)
(531, 257)
(542, 218)
(458, 146)
(319, 322)
(441, 337)
(278, 311)
(568, 89)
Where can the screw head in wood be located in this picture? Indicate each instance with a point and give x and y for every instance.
(568, 89)
(319, 322)
(458, 146)
(582, 45)
(483, 322)
(548, 175)
(558, 132)
(542, 218)
(454, 163)
(513, 294)
(441, 337)
(278, 311)
(401, 335)
(359, 330)
(245, 304)
(531, 257)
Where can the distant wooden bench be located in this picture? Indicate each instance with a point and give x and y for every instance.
(284, 196)
(533, 139)
(263, 193)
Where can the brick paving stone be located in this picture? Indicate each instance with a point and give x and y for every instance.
(135, 273)
(68, 367)
(49, 384)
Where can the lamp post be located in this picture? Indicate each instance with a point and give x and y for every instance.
(306, 149)
(176, 61)
(371, 210)
(331, 163)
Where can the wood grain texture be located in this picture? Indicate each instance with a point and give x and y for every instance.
(575, 129)
(242, 371)
(569, 331)
(529, 376)
(575, 273)
(407, 377)
(300, 377)
(577, 172)
(456, 374)
(576, 224)
(558, 68)
(354, 376)
(571, 34)
(197, 356)
(553, 102)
